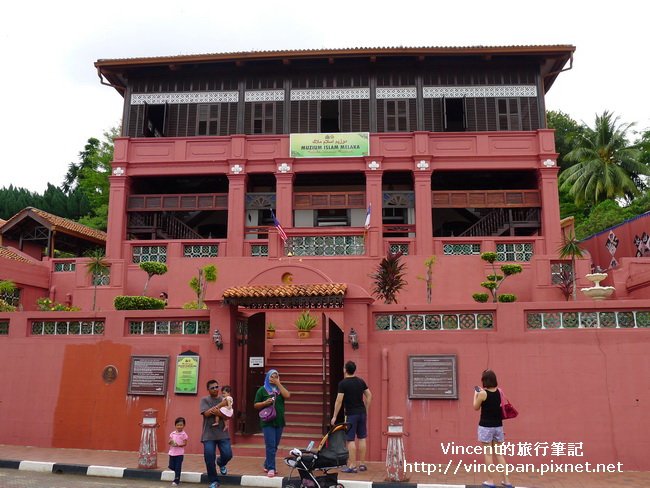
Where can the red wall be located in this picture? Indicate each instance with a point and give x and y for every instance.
(584, 385)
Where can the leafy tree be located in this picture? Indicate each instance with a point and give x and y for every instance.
(152, 268)
(606, 165)
(90, 175)
(494, 280)
(207, 274)
(97, 266)
(567, 131)
(7, 287)
(570, 248)
(389, 278)
(604, 215)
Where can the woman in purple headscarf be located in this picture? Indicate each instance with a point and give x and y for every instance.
(272, 393)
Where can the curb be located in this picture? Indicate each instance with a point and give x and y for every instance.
(193, 477)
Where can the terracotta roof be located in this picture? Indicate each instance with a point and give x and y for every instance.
(321, 295)
(62, 224)
(285, 291)
(8, 253)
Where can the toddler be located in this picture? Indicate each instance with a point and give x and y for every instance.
(226, 409)
(177, 442)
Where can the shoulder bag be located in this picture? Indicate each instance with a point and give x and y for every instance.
(508, 411)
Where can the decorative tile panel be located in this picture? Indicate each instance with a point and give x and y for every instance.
(434, 321)
(64, 267)
(259, 250)
(331, 94)
(67, 327)
(589, 320)
(487, 91)
(395, 93)
(185, 97)
(467, 249)
(200, 251)
(401, 247)
(264, 96)
(142, 254)
(326, 245)
(169, 327)
(520, 251)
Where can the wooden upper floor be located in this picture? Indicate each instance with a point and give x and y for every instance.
(347, 90)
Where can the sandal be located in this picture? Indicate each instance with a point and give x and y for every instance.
(348, 469)
(363, 467)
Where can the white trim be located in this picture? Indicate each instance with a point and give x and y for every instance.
(185, 97)
(331, 94)
(264, 96)
(488, 91)
(392, 93)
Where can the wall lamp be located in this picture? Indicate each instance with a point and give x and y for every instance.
(218, 340)
(353, 339)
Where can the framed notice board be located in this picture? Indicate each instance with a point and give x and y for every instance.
(148, 375)
(433, 376)
(187, 374)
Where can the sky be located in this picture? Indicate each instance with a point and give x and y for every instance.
(53, 101)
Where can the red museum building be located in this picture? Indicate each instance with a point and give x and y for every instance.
(436, 153)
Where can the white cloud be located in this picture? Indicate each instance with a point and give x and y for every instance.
(53, 100)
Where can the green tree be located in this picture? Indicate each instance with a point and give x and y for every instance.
(495, 280)
(152, 268)
(606, 165)
(567, 131)
(97, 266)
(206, 274)
(90, 176)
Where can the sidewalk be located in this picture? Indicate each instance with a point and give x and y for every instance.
(247, 471)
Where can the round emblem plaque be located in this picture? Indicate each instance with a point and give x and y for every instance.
(109, 375)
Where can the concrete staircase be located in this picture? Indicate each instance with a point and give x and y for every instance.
(300, 363)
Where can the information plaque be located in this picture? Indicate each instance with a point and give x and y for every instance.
(433, 377)
(187, 375)
(148, 375)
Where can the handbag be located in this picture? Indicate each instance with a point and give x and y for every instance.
(268, 413)
(508, 411)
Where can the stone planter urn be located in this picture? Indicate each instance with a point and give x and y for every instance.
(597, 292)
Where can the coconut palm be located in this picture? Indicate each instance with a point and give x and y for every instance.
(571, 249)
(96, 267)
(606, 165)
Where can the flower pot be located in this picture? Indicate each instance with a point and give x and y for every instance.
(303, 334)
(270, 334)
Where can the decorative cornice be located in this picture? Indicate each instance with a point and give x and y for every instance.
(400, 92)
(331, 94)
(264, 96)
(185, 97)
(487, 91)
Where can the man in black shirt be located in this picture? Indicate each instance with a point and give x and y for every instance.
(354, 396)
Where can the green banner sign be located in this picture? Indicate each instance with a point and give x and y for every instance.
(187, 374)
(335, 145)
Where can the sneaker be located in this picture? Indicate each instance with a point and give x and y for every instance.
(223, 470)
(348, 469)
(270, 473)
(214, 484)
(174, 484)
(363, 467)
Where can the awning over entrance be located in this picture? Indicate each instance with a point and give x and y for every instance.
(320, 295)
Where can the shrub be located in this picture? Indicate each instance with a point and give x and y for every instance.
(138, 303)
(5, 307)
(193, 305)
(152, 268)
(46, 305)
(480, 297)
(507, 298)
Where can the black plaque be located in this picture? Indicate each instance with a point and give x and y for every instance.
(433, 377)
(148, 375)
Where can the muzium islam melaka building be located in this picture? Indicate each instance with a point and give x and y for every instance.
(439, 154)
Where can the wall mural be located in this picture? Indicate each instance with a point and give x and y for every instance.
(642, 244)
(612, 246)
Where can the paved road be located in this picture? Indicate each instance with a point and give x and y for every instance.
(13, 478)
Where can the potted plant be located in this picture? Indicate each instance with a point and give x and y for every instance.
(305, 323)
(270, 331)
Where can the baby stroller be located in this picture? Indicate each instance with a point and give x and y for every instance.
(332, 452)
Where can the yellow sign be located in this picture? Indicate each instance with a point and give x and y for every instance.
(334, 145)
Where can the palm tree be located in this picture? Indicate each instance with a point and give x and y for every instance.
(571, 249)
(606, 165)
(96, 267)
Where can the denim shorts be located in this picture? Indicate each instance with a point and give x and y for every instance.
(489, 435)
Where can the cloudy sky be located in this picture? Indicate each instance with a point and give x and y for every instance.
(53, 100)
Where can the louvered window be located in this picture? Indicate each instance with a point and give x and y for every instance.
(262, 118)
(508, 115)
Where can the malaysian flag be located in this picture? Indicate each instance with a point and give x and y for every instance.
(276, 223)
(367, 224)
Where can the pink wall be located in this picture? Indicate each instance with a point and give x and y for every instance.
(584, 385)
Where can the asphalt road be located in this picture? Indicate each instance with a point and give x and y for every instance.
(14, 478)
